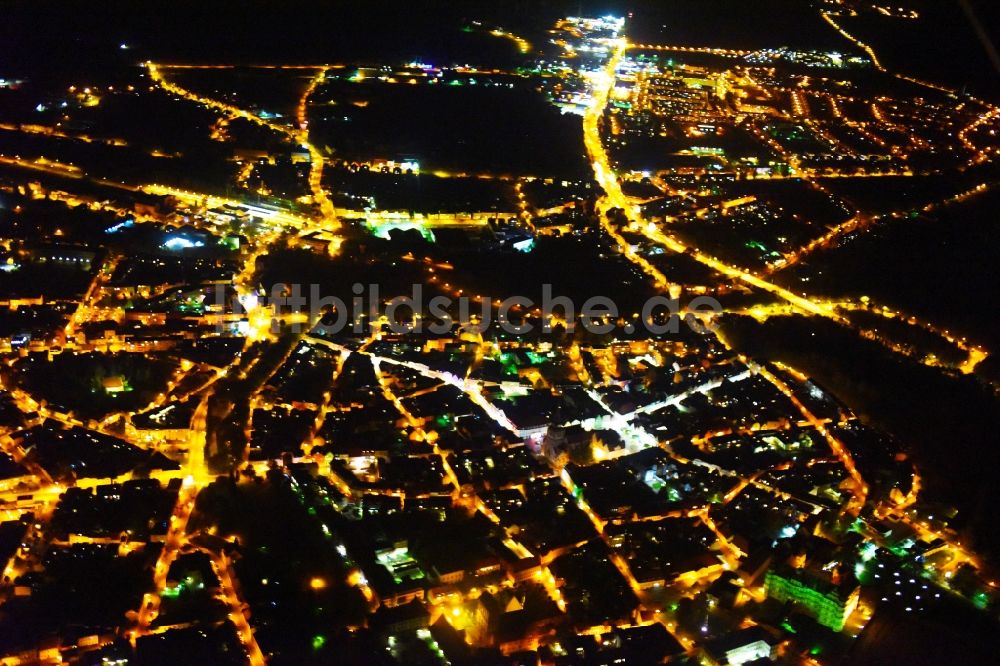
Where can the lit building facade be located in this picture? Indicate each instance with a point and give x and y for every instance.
(829, 603)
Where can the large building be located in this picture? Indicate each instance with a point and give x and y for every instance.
(830, 601)
(749, 645)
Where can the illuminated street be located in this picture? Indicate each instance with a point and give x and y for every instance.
(487, 334)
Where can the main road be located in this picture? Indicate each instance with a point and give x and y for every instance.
(603, 82)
